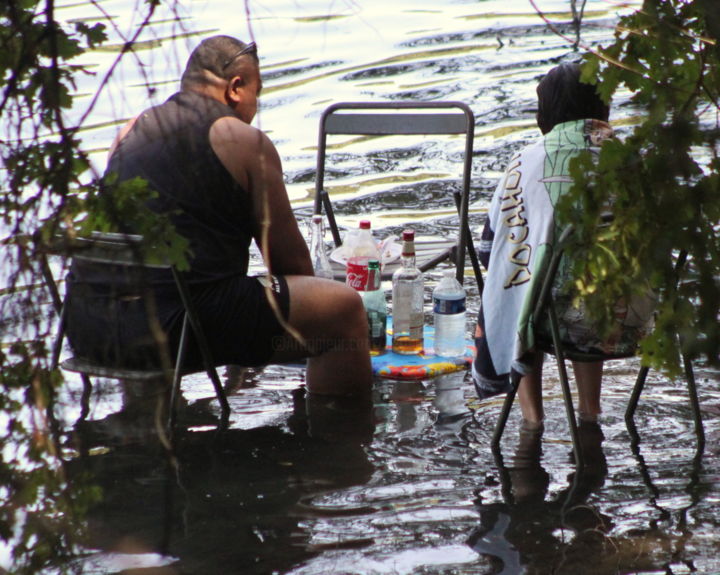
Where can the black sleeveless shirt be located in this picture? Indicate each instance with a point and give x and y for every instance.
(169, 146)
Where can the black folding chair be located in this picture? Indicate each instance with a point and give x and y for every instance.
(689, 377)
(124, 251)
(404, 118)
(544, 308)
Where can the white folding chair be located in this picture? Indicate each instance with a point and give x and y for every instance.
(408, 119)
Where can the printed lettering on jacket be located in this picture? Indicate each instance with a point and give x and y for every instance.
(513, 208)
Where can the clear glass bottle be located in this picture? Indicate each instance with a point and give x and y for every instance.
(449, 316)
(362, 251)
(407, 301)
(320, 262)
(376, 308)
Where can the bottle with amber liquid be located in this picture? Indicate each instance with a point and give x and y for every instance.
(407, 301)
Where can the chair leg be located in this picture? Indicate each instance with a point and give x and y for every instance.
(331, 218)
(695, 404)
(570, 411)
(85, 397)
(505, 412)
(58, 341)
(202, 343)
(505, 478)
(177, 374)
(469, 247)
(565, 384)
(220, 392)
(635, 395)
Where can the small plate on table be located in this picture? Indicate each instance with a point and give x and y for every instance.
(390, 252)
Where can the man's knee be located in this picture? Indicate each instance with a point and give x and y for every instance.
(351, 318)
(345, 300)
(354, 302)
(326, 306)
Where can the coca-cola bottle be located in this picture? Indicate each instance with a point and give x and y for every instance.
(362, 251)
(407, 301)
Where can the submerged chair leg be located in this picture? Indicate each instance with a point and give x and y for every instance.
(85, 397)
(692, 393)
(694, 403)
(635, 395)
(570, 411)
(507, 406)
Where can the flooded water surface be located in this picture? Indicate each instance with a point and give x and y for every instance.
(307, 488)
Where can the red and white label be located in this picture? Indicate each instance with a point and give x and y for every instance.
(357, 273)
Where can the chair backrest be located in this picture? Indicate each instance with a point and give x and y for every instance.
(543, 301)
(112, 248)
(101, 247)
(401, 118)
(544, 312)
(125, 250)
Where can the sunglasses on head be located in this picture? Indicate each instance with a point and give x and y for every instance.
(251, 48)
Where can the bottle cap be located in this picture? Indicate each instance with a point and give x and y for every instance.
(317, 218)
(364, 224)
(408, 235)
(373, 263)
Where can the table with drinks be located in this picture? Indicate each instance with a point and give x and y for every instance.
(414, 350)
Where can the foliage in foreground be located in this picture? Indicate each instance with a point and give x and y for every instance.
(46, 184)
(664, 178)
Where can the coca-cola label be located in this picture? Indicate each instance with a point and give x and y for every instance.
(357, 275)
(448, 306)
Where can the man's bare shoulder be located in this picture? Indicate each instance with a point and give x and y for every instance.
(240, 146)
(124, 131)
(229, 130)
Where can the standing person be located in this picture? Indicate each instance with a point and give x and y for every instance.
(220, 180)
(517, 243)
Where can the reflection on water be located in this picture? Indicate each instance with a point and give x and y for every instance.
(411, 487)
(527, 527)
(232, 498)
(287, 491)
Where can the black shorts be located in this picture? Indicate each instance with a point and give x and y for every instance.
(239, 322)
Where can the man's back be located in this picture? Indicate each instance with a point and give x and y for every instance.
(169, 147)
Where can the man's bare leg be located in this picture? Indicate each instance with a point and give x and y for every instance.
(588, 376)
(331, 319)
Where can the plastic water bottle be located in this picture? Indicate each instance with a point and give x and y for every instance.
(362, 250)
(320, 261)
(449, 316)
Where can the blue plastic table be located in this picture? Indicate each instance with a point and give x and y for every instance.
(421, 366)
